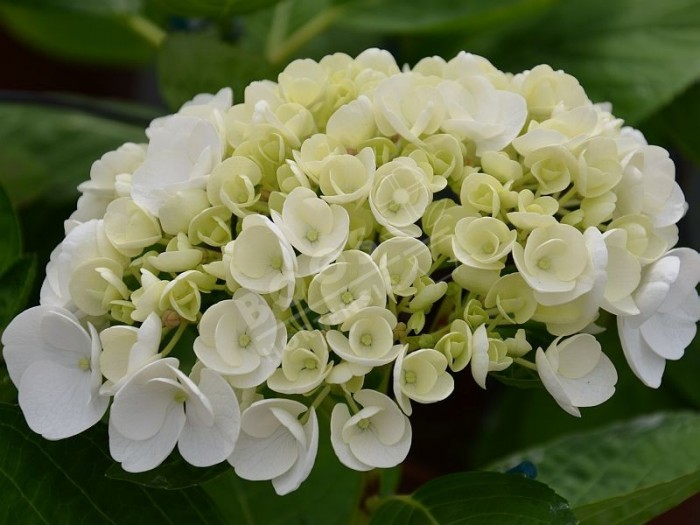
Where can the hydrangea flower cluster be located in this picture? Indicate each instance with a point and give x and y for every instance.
(346, 240)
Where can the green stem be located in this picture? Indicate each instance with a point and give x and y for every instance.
(146, 29)
(525, 363)
(316, 402)
(175, 338)
(302, 35)
(350, 401)
(302, 313)
(438, 262)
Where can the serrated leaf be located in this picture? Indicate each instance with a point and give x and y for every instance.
(63, 482)
(624, 473)
(76, 35)
(189, 64)
(636, 54)
(48, 151)
(212, 8)
(422, 16)
(476, 498)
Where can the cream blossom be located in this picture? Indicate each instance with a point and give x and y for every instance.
(241, 339)
(401, 261)
(378, 435)
(421, 376)
(482, 242)
(275, 445)
(316, 229)
(576, 372)
(304, 364)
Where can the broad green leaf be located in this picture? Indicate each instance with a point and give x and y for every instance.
(63, 482)
(475, 498)
(77, 35)
(11, 238)
(329, 495)
(99, 7)
(679, 121)
(15, 287)
(626, 473)
(47, 151)
(399, 16)
(212, 8)
(173, 473)
(189, 64)
(638, 54)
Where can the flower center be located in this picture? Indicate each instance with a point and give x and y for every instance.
(488, 248)
(347, 297)
(276, 263)
(366, 339)
(312, 235)
(244, 340)
(409, 376)
(363, 423)
(310, 364)
(84, 364)
(180, 396)
(544, 263)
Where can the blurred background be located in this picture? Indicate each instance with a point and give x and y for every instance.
(80, 77)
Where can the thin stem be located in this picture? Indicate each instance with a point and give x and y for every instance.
(302, 313)
(302, 35)
(175, 338)
(146, 29)
(350, 401)
(567, 197)
(525, 363)
(323, 393)
(438, 262)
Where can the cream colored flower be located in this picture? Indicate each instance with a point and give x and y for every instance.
(304, 364)
(482, 242)
(234, 183)
(401, 261)
(421, 376)
(241, 339)
(347, 179)
(513, 298)
(183, 294)
(129, 227)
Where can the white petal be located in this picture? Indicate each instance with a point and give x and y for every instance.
(204, 445)
(339, 417)
(146, 454)
(646, 364)
(669, 334)
(480, 356)
(290, 480)
(551, 383)
(57, 402)
(598, 386)
(369, 449)
(267, 458)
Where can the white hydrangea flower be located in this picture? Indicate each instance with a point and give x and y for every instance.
(262, 259)
(421, 376)
(233, 183)
(181, 154)
(183, 294)
(303, 81)
(456, 345)
(560, 263)
(576, 372)
(345, 287)
(669, 310)
(533, 212)
(481, 194)
(353, 123)
(241, 339)
(179, 256)
(129, 227)
(316, 229)
(126, 349)
(347, 179)
(304, 364)
(513, 298)
(408, 105)
(544, 89)
(378, 435)
(477, 111)
(84, 244)
(147, 298)
(401, 260)
(54, 363)
(482, 242)
(370, 341)
(179, 209)
(99, 190)
(275, 445)
(160, 407)
(400, 196)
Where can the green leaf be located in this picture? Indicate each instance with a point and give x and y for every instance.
(100, 7)
(678, 120)
(329, 495)
(623, 474)
(63, 482)
(15, 286)
(11, 239)
(213, 8)
(477, 498)
(399, 16)
(77, 35)
(189, 64)
(47, 151)
(173, 473)
(639, 55)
